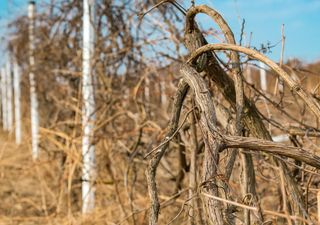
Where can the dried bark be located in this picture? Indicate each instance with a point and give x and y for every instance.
(212, 143)
(196, 37)
(247, 115)
(252, 122)
(280, 149)
(154, 162)
(294, 86)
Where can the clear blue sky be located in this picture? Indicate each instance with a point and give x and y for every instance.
(263, 17)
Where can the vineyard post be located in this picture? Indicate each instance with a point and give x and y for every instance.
(33, 93)
(249, 74)
(4, 99)
(9, 95)
(88, 111)
(263, 77)
(162, 88)
(17, 105)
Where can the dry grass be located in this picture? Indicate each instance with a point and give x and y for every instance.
(48, 191)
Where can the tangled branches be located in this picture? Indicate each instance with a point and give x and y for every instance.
(214, 139)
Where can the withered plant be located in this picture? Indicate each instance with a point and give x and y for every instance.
(190, 129)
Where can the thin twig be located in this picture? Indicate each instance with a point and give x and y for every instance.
(168, 139)
(294, 218)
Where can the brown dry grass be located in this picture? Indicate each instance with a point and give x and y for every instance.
(37, 192)
(49, 191)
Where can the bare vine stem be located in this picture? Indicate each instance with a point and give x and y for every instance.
(249, 174)
(154, 162)
(167, 138)
(307, 98)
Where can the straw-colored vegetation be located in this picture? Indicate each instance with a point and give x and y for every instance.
(183, 135)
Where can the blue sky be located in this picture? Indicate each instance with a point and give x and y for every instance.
(264, 19)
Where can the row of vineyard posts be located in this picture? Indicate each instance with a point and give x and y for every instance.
(11, 99)
(11, 88)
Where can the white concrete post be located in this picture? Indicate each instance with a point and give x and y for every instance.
(9, 95)
(88, 117)
(162, 89)
(249, 74)
(33, 93)
(263, 76)
(17, 103)
(4, 99)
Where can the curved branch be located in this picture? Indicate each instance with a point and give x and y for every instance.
(213, 145)
(249, 174)
(218, 19)
(296, 153)
(154, 162)
(308, 99)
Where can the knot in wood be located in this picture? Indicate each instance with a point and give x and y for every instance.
(296, 88)
(245, 110)
(204, 91)
(234, 65)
